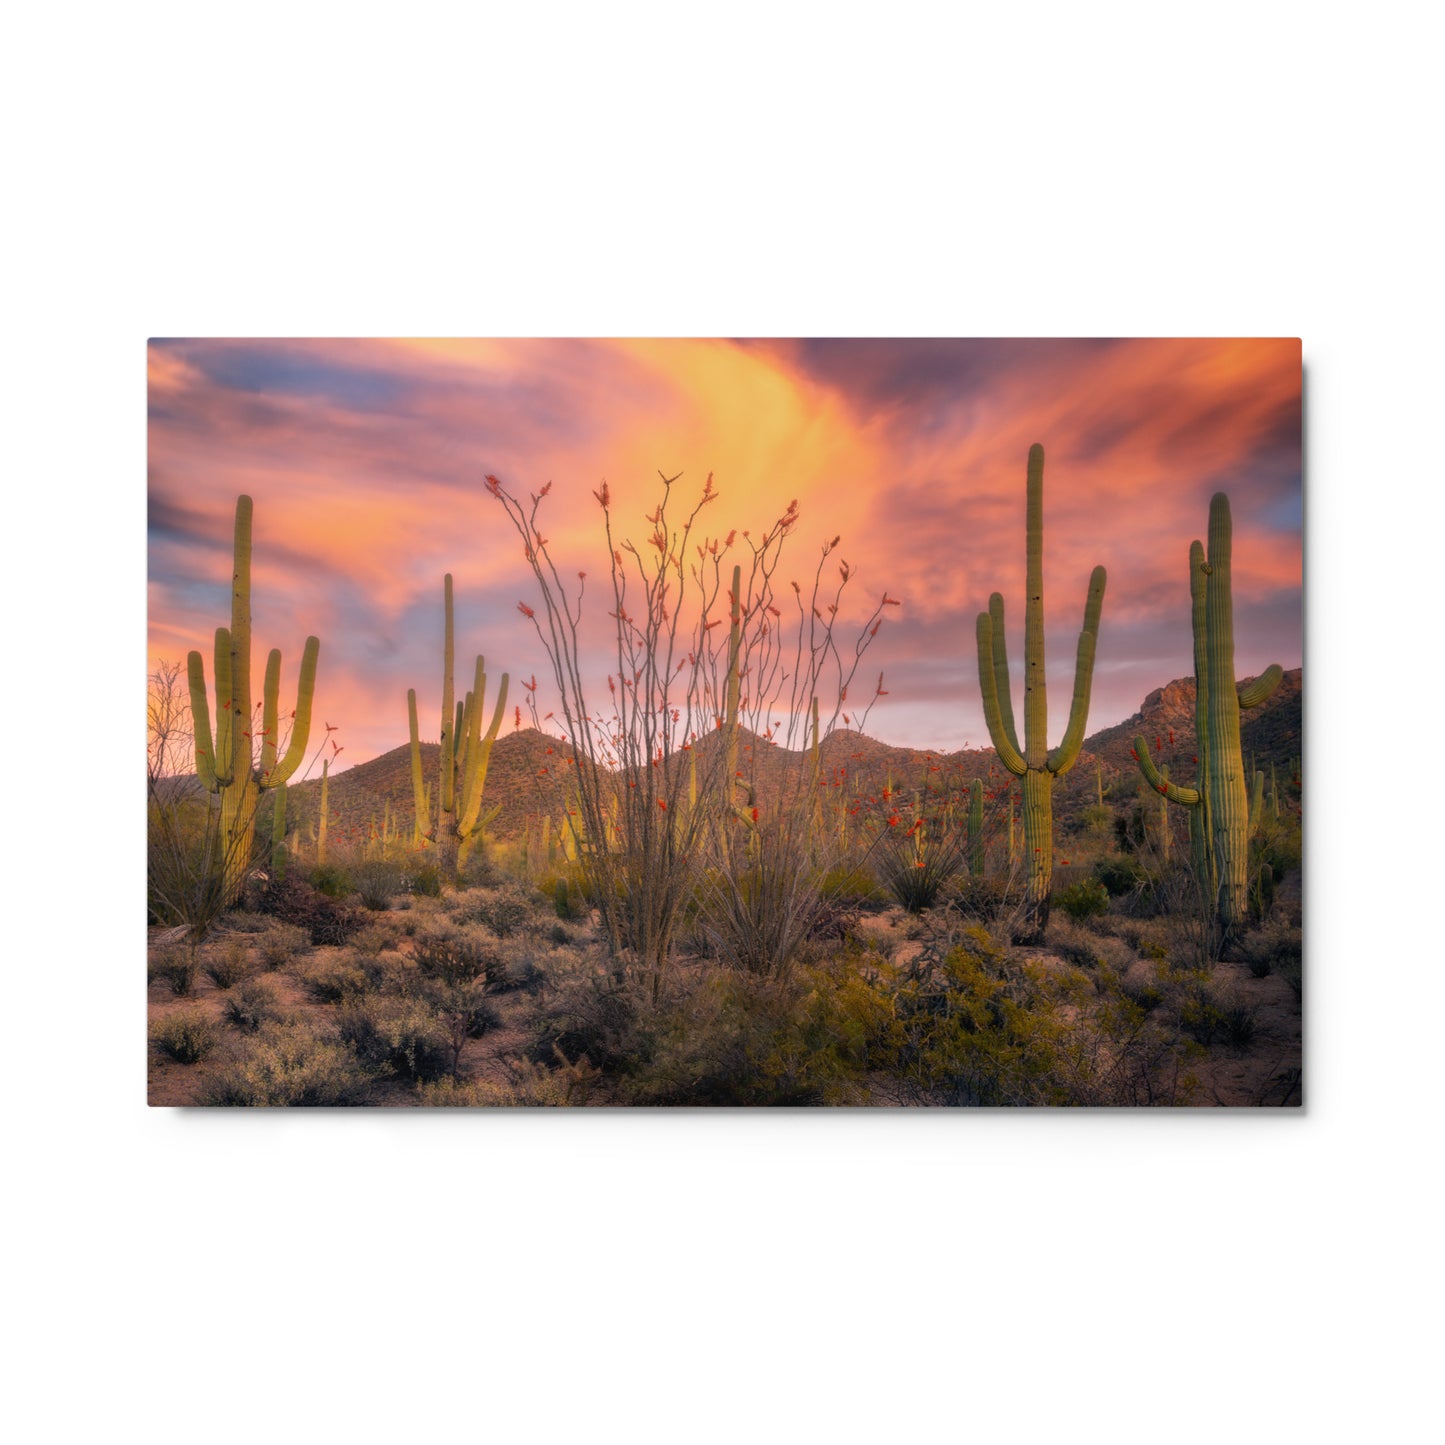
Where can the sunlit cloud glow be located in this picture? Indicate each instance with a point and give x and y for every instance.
(365, 460)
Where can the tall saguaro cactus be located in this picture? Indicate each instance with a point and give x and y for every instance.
(1219, 816)
(465, 752)
(226, 763)
(1034, 763)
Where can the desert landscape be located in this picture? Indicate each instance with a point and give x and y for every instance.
(706, 881)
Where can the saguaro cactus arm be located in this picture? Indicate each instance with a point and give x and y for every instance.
(479, 746)
(1004, 743)
(1251, 694)
(301, 727)
(270, 707)
(201, 723)
(1036, 702)
(1186, 797)
(448, 738)
(1000, 670)
(1066, 754)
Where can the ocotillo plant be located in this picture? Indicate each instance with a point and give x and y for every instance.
(226, 766)
(1035, 764)
(1219, 804)
(975, 827)
(690, 680)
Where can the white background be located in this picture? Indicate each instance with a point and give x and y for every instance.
(745, 169)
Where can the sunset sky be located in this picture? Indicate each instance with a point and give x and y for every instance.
(366, 458)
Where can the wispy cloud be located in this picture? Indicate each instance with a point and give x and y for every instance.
(365, 460)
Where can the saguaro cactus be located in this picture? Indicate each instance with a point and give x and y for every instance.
(226, 764)
(1035, 764)
(323, 821)
(465, 753)
(975, 827)
(1219, 821)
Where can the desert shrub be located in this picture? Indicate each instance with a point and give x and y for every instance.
(463, 1010)
(187, 1035)
(426, 881)
(1087, 899)
(456, 957)
(174, 965)
(281, 944)
(982, 899)
(559, 935)
(590, 1013)
(291, 1064)
(377, 937)
(853, 887)
(378, 882)
(1142, 990)
(516, 969)
(504, 910)
(1272, 948)
(916, 882)
(980, 1028)
(251, 1003)
(1087, 949)
(1119, 876)
(330, 880)
(325, 920)
(529, 1085)
(399, 1037)
(1096, 818)
(229, 963)
(239, 920)
(480, 870)
(387, 972)
(333, 980)
(731, 1038)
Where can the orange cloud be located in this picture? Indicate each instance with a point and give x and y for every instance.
(365, 459)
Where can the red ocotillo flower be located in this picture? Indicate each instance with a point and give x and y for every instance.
(525, 610)
(604, 497)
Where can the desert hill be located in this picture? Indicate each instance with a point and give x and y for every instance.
(527, 776)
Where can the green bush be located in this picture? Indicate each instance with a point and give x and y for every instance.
(1089, 899)
(253, 1003)
(853, 887)
(187, 1035)
(291, 1064)
(1119, 876)
(331, 881)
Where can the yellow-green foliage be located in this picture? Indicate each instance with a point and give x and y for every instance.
(984, 1030)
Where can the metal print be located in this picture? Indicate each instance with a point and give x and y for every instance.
(725, 722)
